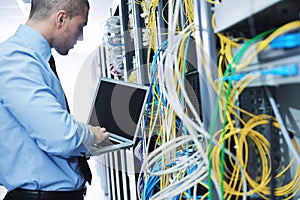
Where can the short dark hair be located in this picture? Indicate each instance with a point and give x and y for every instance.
(41, 9)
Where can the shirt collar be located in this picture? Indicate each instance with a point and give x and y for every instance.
(35, 41)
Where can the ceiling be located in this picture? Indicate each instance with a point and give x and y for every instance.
(15, 12)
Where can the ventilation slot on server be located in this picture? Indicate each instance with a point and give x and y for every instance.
(255, 101)
(192, 87)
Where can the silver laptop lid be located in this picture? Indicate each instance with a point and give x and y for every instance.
(118, 106)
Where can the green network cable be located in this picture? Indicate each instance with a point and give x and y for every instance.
(236, 60)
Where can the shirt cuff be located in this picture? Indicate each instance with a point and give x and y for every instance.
(86, 135)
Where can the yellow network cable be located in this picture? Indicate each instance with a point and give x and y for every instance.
(265, 43)
(295, 145)
(212, 1)
(263, 146)
(163, 11)
(164, 180)
(227, 54)
(261, 188)
(240, 137)
(138, 2)
(189, 11)
(151, 28)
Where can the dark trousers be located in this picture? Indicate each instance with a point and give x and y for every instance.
(21, 194)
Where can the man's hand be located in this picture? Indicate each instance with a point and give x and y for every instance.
(100, 134)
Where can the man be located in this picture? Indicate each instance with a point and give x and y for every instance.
(40, 141)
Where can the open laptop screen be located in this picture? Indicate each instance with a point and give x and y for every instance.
(118, 106)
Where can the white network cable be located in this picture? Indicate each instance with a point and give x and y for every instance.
(168, 87)
(167, 78)
(113, 25)
(185, 183)
(181, 185)
(169, 147)
(168, 91)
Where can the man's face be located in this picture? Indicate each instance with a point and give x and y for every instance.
(71, 33)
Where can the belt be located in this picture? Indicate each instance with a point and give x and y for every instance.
(46, 195)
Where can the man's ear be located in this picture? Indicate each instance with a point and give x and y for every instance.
(61, 18)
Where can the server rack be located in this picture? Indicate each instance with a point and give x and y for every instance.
(223, 115)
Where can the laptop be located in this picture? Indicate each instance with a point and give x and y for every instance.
(118, 106)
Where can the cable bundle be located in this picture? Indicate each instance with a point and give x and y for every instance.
(186, 161)
(178, 164)
(114, 46)
(239, 134)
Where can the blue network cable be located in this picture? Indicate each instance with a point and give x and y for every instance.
(287, 41)
(285, 70)
(153, 70)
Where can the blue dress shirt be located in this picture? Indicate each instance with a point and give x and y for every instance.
(39, 139)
